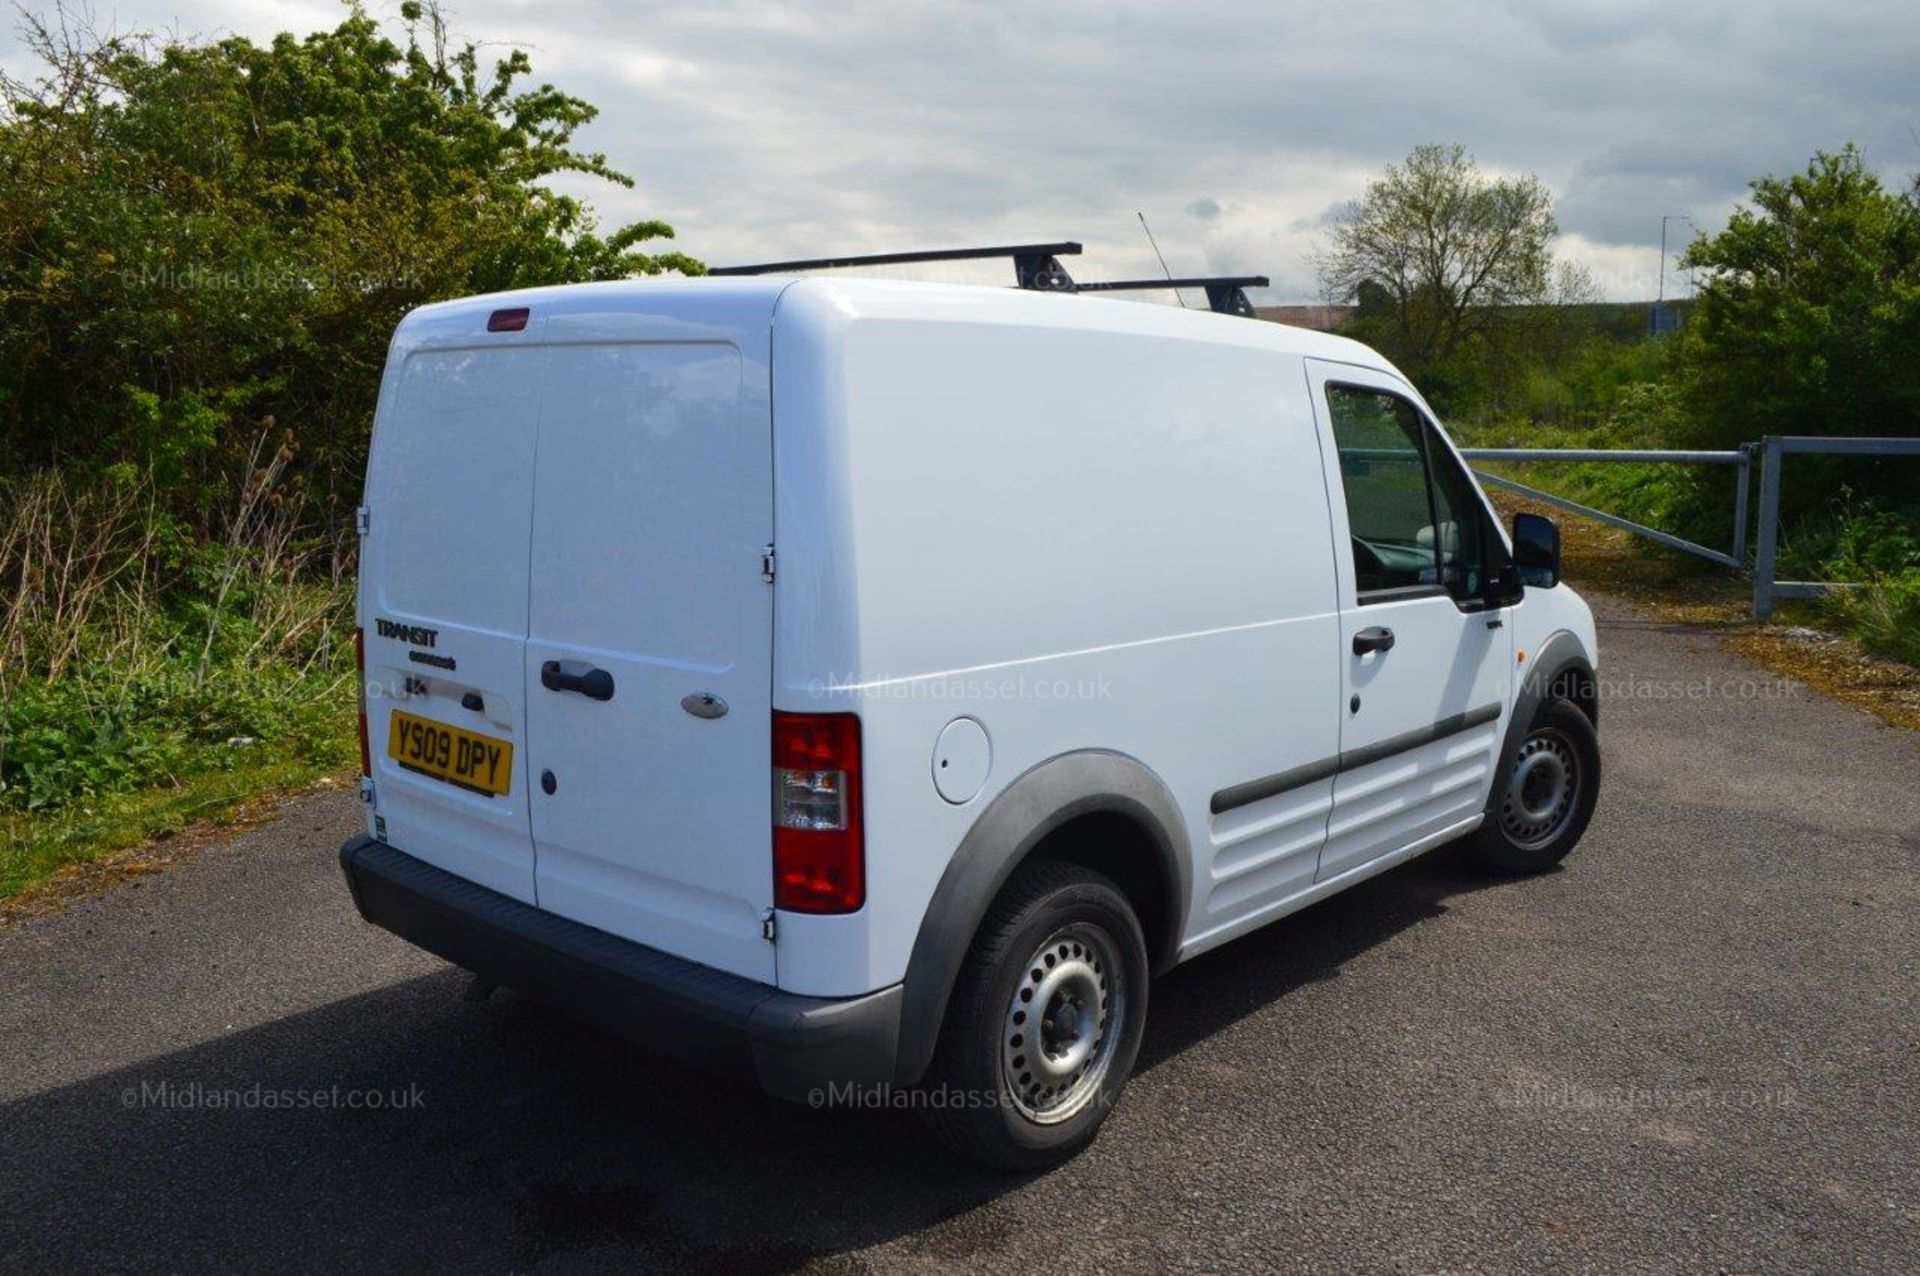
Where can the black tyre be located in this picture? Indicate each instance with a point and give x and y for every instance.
(1045, 1021)
(1541, 804)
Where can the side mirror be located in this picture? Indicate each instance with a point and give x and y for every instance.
(1536, 550)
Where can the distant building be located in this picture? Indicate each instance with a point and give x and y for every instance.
(1665, 317)
(1318, 318)
(1623, 319)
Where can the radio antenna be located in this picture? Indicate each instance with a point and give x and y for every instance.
(1157, 253)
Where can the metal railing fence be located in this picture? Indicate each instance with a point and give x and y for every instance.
(1769, 454)
(1773, 451)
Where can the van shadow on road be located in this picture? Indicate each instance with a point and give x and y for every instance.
(1211, 993)
(538, 1138)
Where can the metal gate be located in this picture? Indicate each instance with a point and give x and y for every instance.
(1769, 453)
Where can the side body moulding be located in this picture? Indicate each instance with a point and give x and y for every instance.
(1352, 760)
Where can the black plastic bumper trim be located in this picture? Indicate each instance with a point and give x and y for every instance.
(790, 1045)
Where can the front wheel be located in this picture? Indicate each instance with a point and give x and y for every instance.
(1541, 804)
(1044, 1023)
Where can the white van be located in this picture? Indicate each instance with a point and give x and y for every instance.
(861, 684)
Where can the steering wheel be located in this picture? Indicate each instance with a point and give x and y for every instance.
(1368, 566)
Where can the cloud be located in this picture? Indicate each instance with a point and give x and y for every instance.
(766, 128)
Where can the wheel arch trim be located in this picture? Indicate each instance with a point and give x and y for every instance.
(1040, 801)
(1554, 658)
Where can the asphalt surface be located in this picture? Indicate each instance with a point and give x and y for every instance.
(1695, 1047)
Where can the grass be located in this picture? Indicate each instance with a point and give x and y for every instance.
(201, 778)
(78, 846)
(151, 679)
(1684, 590)
(1861, 644)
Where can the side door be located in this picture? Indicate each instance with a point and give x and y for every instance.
(1425, 647)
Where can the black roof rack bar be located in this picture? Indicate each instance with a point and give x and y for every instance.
(1199, 281)
(1034, 265)
(1225, 293)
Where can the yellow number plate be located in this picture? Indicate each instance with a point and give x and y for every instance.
(466, 758)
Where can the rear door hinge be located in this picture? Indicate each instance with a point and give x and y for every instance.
(767, 565)
(362, 520)
(767, 926)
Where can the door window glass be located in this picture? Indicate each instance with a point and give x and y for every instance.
(1383, 470)
(1463, 533)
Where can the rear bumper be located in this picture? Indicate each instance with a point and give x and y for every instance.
(791, 1046)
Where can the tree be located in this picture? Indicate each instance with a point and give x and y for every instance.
(1807, 319)
(1436, 248)
(196, 238)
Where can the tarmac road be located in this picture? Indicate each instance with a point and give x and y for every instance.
(1695, 1047)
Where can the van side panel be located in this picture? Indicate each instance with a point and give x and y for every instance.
(1084, 527)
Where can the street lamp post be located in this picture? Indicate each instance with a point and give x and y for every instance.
(1660, 294)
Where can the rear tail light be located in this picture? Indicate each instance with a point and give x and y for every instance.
(514, 320)
(360, 668)
(819, 865)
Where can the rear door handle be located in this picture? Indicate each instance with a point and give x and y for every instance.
(594, 684)
(1378, 638)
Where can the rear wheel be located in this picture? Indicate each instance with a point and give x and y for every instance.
(1044, 1023)
(1541, 804)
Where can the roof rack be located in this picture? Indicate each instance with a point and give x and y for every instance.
(1035, 266)
(1225, 293)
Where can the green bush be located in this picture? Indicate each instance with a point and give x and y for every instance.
(204, 249)
(1878, 550)
(1884, 614)
(104, 732)
(135, 658)
(57, 744)
(197, 238)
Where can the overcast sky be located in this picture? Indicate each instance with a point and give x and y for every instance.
(768, 130)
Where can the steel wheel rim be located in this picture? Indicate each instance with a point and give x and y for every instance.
(1542, 789)
(1062, 1024)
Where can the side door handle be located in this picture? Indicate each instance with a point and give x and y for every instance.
(594, 684)
(1377, 638)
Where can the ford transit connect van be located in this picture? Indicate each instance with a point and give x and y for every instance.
(859, 684)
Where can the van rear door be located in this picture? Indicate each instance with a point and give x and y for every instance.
(443, 595)
(649, 651)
